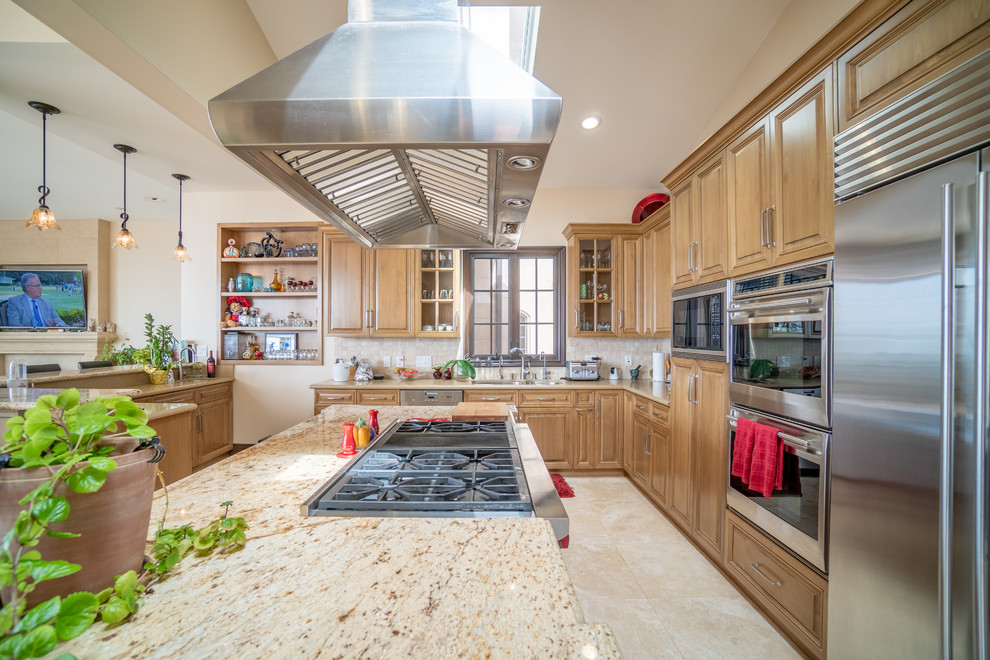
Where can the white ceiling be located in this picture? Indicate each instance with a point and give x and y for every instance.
(141, 73)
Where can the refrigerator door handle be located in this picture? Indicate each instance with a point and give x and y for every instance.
(980, 413)
(947, 423)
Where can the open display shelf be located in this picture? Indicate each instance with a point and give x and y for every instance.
(439, 282)
(234, 341)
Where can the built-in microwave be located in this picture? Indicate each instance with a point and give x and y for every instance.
(698, 318)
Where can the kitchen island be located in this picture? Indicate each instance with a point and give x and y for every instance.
(348, 587)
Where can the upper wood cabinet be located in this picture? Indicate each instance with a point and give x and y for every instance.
(779, 176)
(438, 286)
(919, 43)
(655, 313)
(698, 237)
(369, 292)
(629, 295)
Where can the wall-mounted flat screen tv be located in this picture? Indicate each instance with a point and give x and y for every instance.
(42, 298)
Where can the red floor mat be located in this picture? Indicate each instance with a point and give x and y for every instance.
(561, 485)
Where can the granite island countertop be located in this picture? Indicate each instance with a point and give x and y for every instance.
(348, 587)
(18, 399)
(657, 391)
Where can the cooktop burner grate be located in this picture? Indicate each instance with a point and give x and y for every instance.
(452, 427)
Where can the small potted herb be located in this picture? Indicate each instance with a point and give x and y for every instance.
(160, 340)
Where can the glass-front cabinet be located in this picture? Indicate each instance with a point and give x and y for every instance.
(439, 283)
(592, 265)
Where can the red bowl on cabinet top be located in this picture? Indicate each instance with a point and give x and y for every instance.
(649, 205)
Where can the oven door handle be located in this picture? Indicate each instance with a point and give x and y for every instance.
(788, 439)
(790, 302)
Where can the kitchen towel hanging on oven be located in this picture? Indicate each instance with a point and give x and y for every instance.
(762, 460)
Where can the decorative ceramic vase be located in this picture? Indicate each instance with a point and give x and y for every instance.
(113, 522)
(157, 376)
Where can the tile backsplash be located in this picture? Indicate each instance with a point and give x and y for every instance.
(612, 352)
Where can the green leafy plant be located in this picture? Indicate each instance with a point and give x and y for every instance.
(74, 442)
(122, 354)
(463, 367)
(160, 340)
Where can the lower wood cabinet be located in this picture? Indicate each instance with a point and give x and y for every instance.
(326, 398)
(598, 429)
(551, 428)
(176, 434)
(212, 421)
(794, 595)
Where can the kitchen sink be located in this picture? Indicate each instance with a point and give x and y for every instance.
(515, 382)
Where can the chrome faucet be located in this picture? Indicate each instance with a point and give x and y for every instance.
(523, 370)
(546, 374)
(192, 357)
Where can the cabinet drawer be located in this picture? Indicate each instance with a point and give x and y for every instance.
(794, 595)
(213, 393)
(188, 396)
(585, 397)
(333, 397)
(378, 398)
(545, 398)
(501, 396)
(641, 406)
(659, 413)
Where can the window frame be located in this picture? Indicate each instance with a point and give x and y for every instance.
(467, 287)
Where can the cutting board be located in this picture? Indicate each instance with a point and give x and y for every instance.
(480, 411)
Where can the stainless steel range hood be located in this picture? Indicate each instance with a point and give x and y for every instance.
(401, 128)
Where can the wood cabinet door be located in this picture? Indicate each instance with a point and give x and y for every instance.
(215, 426)
(176, 433)
(683, 384)
(390, 287)
(801, 132)
(682, 234)
(659, 462)
(344, 283)
(639, 440)
(585, 435)
(630, 294)
(748, 199)
(552, 430)
(608, 418)
(648, 294)
(628, 437)
(710, 219)
(661, 283)
(710, 447)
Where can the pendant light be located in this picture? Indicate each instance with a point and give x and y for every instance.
(43, 218)
(125, 239)
(181, 254)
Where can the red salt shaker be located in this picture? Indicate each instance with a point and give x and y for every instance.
(350, 448)
(373, 420)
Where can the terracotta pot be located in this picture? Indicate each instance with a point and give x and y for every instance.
(113, 522)
(157, 376)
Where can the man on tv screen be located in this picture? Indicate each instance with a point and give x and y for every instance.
(30, 309)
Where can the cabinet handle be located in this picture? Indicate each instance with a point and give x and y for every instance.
(582, 410)
(692, 387)
(598, 408)
(756, 567)
(690, 257)
(575, 319)
(659, 415)
(199, 423)
(639, 407)
(621, 324)
(763, 228)
(646, 443)
(457, 315)
(770, 213)
(377, 398)
(491, 398)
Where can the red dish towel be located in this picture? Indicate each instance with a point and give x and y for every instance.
(767, 469)
(742, 448)
(563, 489)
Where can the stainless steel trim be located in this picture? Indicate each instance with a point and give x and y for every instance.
(980, 416)
(756, 567)
(947, 422)
(546, 502)
(770, 213)
(937, 122)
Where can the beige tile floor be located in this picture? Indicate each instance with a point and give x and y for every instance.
(634, 570)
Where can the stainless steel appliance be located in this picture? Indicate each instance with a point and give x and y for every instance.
(796, 515)
(699, 322)
(462, 469)
(401, 128)
(780, 339)
(582, 370)
(908, 546)
(436, 397)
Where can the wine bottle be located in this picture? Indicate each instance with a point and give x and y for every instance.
(211, 367)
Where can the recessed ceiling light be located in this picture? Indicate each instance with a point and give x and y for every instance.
(516, 202)
(591, 122)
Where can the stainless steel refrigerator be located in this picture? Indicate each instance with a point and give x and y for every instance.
(908, 518)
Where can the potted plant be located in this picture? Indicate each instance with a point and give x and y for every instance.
(160, 340)
(464, 369)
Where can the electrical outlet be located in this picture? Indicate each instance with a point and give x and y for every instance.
(400, 361)
(424, 361)
(783, 360)
(387, 361)
(805, 360)
(628, 360)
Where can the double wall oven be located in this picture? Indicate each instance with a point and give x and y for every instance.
(780, 376)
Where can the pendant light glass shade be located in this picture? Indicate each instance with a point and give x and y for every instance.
(43, 218)
(125, 238)
(181, 254)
